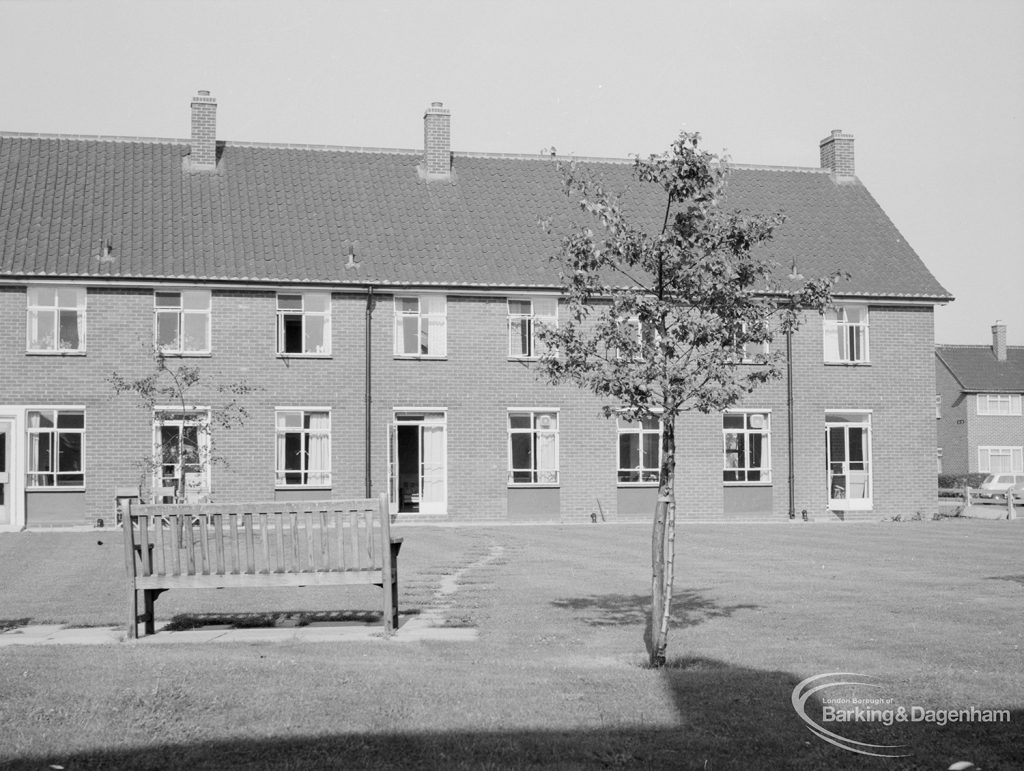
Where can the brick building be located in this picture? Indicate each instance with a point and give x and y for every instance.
(979, 389)
(383, 304)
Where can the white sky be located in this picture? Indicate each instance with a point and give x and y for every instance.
(933, 90)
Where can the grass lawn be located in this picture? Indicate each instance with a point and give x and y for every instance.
(931, 612)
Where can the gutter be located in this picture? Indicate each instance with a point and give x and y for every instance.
(368, 398)
(791, 421)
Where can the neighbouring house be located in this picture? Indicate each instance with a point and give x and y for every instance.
(384, 304)
(978, 394)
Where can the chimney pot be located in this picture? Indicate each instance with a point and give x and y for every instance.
(999, 340)
(204, 132)
(837, 154)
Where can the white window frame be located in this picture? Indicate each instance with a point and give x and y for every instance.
(311, 478)
(1015, 454)
(53, 433)
(999, 404)
(846, 341)
(198, 487)
(530, 321)
(182, 314)
(548, 477)
(430, 315)
(305, 313)
(36, 309)
(847, 419)
(750, 418)
(647, 475)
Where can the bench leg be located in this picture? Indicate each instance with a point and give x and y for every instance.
(148, 597)
(394, 602)
(133, 613)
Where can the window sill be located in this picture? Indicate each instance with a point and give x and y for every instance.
(68, 489)
(186, 354)
(302, 487)
(31, 352)
(303, 355)
(652, 485)
(413, 357)
(760, 483)
(847, 363)
(533, 485)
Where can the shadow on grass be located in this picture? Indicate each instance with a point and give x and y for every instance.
(1016, 579)
(724, 716)
(6, 624)
(186, 621)
(689, 608)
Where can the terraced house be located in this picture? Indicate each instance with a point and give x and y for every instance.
(383, 305)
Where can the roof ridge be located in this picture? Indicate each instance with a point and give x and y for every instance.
(93, 138)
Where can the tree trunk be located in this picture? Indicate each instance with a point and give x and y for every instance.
(663, 547)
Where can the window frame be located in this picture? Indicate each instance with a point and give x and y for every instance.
(841, 329)
(531, 320)
(182, 313)
(535, 413)
(34, 309)
(861, 419)
(1014, 452)
(304, 313)
(748, 429)
(637, 428)
(54, 431)
(324, 474)
(423, 320)
(1012, 401)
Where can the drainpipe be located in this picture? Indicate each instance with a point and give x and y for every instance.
(368, 439)
(789, 417)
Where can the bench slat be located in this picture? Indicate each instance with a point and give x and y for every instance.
(318, 578)
(250, 550)
(264, 542)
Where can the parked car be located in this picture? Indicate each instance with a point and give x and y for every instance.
(1018, 492)
(997, 483)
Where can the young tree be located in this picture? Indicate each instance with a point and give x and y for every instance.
(658, 316)
(176, 385)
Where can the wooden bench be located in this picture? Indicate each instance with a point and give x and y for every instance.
(254, 545)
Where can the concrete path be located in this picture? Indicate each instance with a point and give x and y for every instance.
(414, 629)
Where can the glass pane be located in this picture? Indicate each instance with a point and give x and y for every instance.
(70, 297)
(69, 452)
(42, 295)
(196, 300)
(168, 299)
(196, 325)
(293, 455)
(317, 302)
(41, 419)
(520, 308)
(289, 419)
(522, 451)
(519, 420)
(629, 451)
(315, 342)
(836, 445)
(71, 420)
(732, 420)
(167, 330)
(651, 454)
(546, 307)
(41, 330)
(407, 304)
(69, 331)
(410, 334)
(651, 424)
(547, 421)
(519, 337)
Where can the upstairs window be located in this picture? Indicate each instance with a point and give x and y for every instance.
(56, 319)
(747, 445)
(524, 316)
(846, 335)
(56, 448)
(640, 451)
(183, 321)
(421, 326)
(303, 448)
(533, 447)
(304, 324)
(999, 404)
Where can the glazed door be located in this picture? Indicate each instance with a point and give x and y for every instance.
(6, 462)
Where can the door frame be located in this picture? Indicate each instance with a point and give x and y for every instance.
(418, 417)
(15, 497)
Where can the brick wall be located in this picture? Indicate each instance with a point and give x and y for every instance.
(952, 426)
(990, 430)
(476, 384)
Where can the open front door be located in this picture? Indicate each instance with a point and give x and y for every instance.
(6, 462)
(417, 463)
(432, 469)
(393, 468)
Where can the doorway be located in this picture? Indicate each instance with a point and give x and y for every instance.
(417, 463)
(6, 464)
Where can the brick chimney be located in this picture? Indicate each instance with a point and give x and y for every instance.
(837, 153)
(999, 340)
(437, 141)
(204, 131)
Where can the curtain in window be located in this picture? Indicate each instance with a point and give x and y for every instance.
(547, 449)
(319, 449)
(38, 451)
(433, 308)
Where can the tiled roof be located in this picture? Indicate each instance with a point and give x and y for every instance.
(978, 371)
(283, 214)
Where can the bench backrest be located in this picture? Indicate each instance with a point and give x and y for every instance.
(254, 538)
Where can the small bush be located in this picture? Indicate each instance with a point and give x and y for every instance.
(959, 480)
